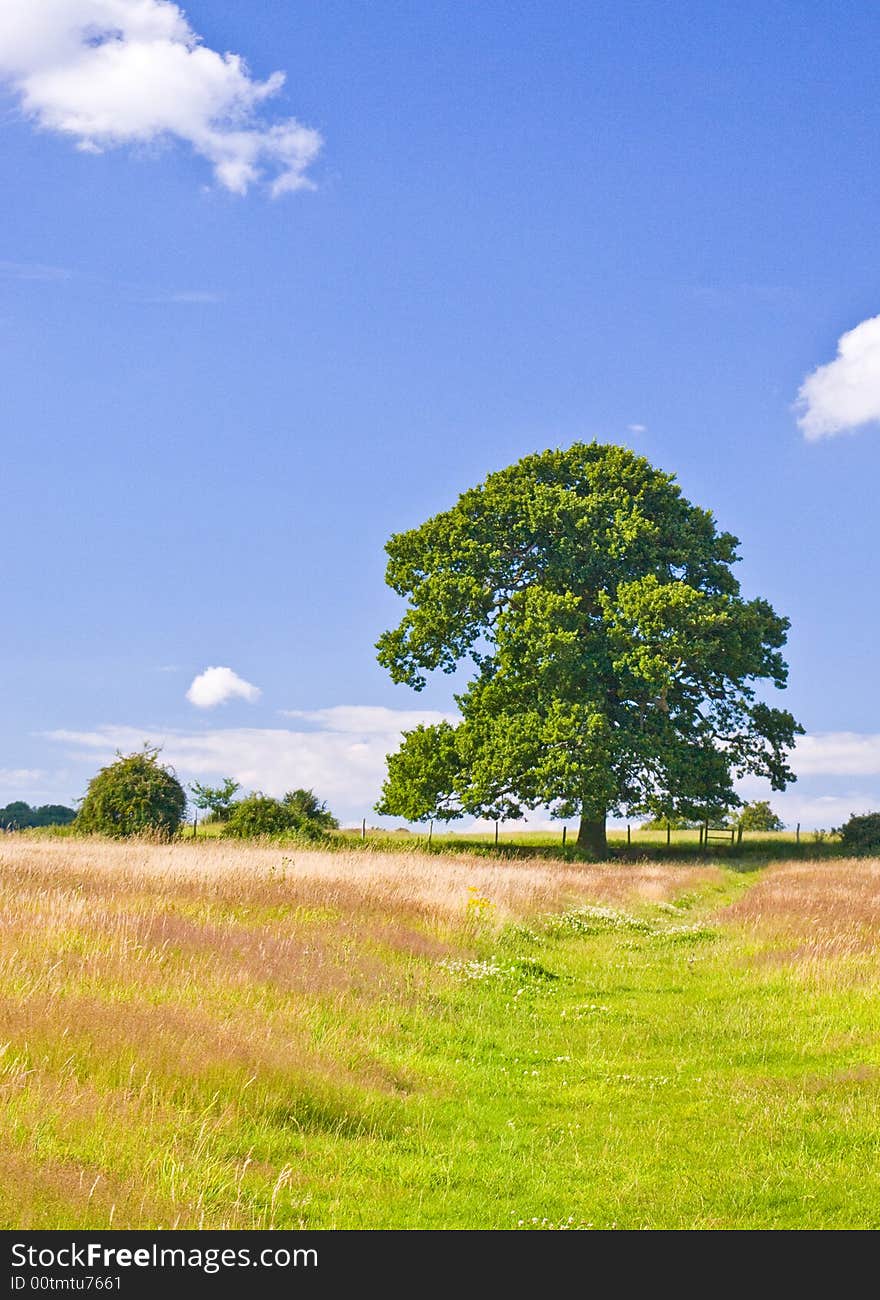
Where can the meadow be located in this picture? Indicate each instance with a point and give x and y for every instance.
(211, 1034)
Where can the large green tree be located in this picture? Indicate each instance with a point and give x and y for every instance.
(614, 658)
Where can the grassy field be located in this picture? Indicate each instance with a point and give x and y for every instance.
(214, 1035)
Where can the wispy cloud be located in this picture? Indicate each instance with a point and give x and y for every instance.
(18, 779)
(39, 273)
(187, 297)
(133, 72)
(338, 752)
(217, 685)
(34, 271)
(637, 428)
(367, 720)
(37, 785)
(844, 394)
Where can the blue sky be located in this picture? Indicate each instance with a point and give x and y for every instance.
(235, 360)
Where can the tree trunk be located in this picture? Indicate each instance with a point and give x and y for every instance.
(592, 837)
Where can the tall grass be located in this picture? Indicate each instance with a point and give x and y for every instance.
(219, 1035)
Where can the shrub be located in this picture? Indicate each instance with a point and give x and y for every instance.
(309, 808)
(861, 834)
(136, 795)
(298, 815)
(258, 814)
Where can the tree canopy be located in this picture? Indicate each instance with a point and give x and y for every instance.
(21, 815)
(758, 816)
(614, 660)
(135, 795)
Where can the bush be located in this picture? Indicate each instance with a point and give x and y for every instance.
(309, 808)
(298, 815)
(258, 814)
(861, 834)
(136, 795)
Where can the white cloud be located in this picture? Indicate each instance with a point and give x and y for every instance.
(637, 428)
(368, 720)
(117, 72)
(820, 810)
(837, 753)
(845, 393)
(217, 685)
(832, 768)
(342, 758)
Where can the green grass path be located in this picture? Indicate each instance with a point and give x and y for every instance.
(650, 1074)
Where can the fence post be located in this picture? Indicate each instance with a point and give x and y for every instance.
(628, 835)
(364, 829)
(496, 833)
(430, 832)
(195, 824)
(797, 834)
(564, 829)
(668, 832)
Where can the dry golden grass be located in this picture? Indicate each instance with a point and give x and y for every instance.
(409, 882)
(813, 912)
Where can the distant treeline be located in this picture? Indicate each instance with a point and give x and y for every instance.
(20, 815)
